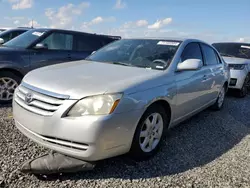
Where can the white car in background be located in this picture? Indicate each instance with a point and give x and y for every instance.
(237, 56)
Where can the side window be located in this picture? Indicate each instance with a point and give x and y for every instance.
(6, 37)
(209, 55)
(16, 33)
(87, 43)
(191, 51)
(59, 41)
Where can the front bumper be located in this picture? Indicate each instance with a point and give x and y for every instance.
(237, 78)
(89, 138)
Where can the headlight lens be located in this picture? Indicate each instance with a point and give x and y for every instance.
(237, 66)
(95, 105)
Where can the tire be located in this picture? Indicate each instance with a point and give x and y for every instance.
(220, 99)
(244, 90)
(8, 83)
(136, 151)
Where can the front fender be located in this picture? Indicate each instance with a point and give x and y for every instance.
(8, 65)
(143, 99)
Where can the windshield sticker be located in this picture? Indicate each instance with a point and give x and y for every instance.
(37, 33)
(248, 47)
(167, 43)
(159, 67)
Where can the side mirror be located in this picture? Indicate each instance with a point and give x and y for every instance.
(1, 41)
(93, 52)
(190, 64)
(41, 46)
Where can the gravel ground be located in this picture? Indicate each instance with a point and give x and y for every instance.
(211, 149)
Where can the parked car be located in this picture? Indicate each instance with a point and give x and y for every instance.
(41, 47)
(123, 98)
(9, 34)
(237, 55)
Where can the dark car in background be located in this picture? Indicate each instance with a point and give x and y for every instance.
(42, 47)
(9, 34)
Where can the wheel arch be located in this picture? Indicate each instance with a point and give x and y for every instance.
(15, 71)
(162, 102)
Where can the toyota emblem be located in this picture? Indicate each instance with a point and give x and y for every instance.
(28, 98)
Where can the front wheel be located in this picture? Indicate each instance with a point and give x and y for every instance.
(8, 83)
(149, 133)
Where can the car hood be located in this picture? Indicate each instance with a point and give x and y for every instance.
(8, 50)
(85, 78)
(235, 60)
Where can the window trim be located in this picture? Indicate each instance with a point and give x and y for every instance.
(187, 46)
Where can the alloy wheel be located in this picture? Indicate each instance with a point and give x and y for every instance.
(221, 97)
(151, 132)
(7, 88)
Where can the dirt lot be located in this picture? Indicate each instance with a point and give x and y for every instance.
(210, 150)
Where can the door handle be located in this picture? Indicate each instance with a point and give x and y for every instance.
(69, 56)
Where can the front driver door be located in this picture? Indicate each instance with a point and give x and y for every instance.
(59, 50)
(192, 85)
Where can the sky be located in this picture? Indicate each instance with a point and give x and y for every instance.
(208, 20)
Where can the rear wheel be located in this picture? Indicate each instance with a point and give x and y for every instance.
(149, 133)
(220, 100)
(8, 83)
(244, 90)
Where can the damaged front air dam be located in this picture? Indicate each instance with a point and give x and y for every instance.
(54, 163)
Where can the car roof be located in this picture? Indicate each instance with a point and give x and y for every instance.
(231, 43)
(80, 32)
(5, 28)
(168, 38)
(19, 29)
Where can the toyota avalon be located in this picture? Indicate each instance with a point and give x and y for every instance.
(122, 99)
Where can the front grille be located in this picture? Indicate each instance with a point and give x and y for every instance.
(40, 103)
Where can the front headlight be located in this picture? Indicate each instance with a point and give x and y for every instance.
(95, 105)
(237, 66)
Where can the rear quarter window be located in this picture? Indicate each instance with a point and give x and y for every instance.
(87, 43)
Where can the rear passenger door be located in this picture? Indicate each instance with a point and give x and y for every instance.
(84, 45)
(215, 67)
(60, 45)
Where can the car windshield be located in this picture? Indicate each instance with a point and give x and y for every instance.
(25, 39)
(239, 50)
(144, 53)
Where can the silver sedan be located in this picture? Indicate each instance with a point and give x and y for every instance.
(122, 99)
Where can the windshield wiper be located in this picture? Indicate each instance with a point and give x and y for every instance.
(124, 64)
(228, 55)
